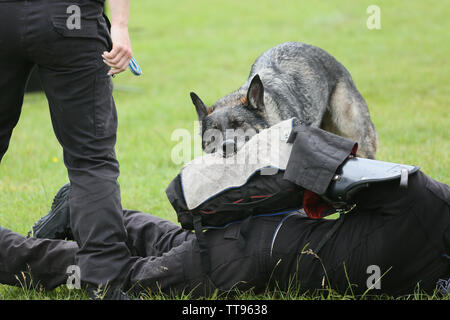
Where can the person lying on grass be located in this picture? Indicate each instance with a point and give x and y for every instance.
(393, 240)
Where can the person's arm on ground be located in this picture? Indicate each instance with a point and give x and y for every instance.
(119, 57)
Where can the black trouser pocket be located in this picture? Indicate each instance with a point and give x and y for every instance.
(83, 29)
(105, 109)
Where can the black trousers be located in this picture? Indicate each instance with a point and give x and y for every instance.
(405, 233)
(83, 115)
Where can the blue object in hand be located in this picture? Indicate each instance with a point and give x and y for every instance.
(134, 67)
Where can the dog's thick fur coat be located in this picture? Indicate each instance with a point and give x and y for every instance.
(295, 80)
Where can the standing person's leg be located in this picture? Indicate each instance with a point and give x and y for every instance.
(15, 69)
(84, 119)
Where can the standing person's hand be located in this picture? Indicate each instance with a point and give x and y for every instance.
(120, 55)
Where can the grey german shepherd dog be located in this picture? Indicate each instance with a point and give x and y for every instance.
(292, 80)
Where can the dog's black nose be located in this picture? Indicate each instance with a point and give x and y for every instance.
(228, 148)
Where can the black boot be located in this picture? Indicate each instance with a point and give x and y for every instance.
(56, 224)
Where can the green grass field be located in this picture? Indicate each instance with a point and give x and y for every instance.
(402, 70)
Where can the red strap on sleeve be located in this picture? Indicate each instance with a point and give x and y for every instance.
(314, 206)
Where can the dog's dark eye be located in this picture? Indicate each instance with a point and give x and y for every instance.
(208, 142)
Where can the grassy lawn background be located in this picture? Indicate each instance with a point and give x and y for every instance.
(208, 47)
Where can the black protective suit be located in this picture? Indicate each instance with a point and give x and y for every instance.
(403, 234)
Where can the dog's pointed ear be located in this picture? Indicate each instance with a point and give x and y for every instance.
(200, 107)
(255, 94)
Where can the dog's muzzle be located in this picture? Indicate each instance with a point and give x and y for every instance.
(229, 147)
